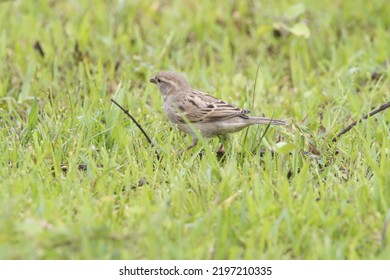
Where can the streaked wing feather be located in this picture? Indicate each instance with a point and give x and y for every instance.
(206, 108)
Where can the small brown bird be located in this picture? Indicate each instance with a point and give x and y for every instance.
(191, 109)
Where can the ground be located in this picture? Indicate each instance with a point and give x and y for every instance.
(78, 179)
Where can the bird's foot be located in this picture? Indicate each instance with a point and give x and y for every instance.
(221, 151)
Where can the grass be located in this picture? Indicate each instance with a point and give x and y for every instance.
(79, 181)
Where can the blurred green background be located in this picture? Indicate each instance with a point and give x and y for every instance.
(79, 181)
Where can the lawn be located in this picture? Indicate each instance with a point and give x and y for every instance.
(78, 179)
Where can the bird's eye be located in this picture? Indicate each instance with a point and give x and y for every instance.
(158, 80)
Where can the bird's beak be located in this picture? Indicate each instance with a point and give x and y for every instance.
(153, 80)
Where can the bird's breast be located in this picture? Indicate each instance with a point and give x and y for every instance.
(171, 113)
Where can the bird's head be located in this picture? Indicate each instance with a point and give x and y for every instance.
(169, 82)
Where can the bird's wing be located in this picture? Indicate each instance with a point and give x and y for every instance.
(199, 107)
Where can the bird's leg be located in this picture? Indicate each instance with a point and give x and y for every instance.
(193, 144)
(221, 151)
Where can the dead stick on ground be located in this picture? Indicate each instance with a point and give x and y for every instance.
(348, 128)
(137, 124)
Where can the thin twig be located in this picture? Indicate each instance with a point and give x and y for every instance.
(348, 128)
(137, 124)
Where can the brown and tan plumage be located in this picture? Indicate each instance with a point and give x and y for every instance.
(192, 109)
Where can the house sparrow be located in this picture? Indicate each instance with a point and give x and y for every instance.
(191, 109)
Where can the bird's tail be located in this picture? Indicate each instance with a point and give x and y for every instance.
(261, 120)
